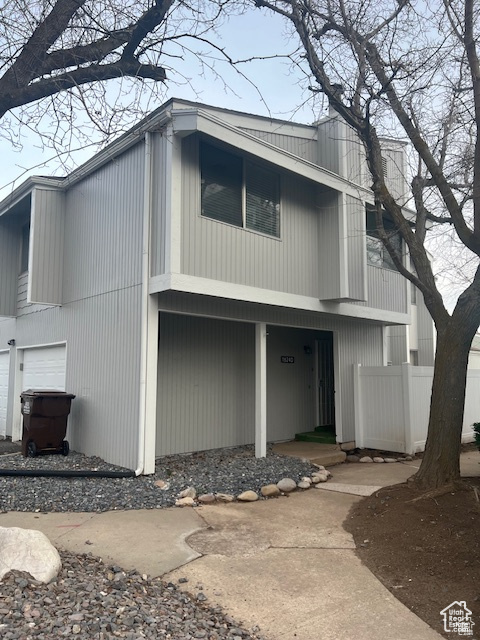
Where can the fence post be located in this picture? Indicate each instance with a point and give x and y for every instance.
(407, 407)
(357, 407)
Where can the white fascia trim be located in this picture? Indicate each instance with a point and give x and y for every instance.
(188, 121)
(244, 293)
(52, 184)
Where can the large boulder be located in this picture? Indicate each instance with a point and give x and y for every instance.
(30, 551)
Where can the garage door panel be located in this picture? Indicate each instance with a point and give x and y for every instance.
(4, 367)
(44, 368)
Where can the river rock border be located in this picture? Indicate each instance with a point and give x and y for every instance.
(377, 459)
(188, 497)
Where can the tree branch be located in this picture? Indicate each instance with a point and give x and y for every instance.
(33, 53)
(93, 73)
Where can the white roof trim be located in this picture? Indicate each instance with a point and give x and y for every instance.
(188, 121)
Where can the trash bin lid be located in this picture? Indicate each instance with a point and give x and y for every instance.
(37, 393)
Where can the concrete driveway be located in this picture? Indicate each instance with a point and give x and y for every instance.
(288, 566)
(285, 564)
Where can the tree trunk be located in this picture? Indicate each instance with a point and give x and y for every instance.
(441, 465)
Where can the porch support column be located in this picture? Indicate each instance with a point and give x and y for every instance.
(260, 390)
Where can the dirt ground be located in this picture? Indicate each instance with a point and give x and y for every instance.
(427, 551)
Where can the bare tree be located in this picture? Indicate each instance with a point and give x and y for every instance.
(56, 56)
(412, 69)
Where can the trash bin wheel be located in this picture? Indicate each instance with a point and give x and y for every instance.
(65, 448)
(31, 449)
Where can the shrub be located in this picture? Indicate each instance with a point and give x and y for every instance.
(476, 431)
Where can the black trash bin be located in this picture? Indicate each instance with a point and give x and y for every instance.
(45, 415)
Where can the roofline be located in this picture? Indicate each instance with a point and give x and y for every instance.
(26, 188)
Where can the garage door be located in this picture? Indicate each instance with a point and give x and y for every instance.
(44, 368)
(4, 364)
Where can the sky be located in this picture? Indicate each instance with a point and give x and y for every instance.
(272, 88)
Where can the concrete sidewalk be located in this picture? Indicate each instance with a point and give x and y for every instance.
(284, 564)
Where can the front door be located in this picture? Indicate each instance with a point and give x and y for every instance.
(325, 382)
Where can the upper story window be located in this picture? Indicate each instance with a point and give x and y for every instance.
(239, 192)
(25, 247)
(377, 253)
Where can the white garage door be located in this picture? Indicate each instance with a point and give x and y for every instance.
(4, 365)
(44, 368)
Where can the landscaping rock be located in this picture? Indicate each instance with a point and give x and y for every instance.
(206, 498)
(30, 551)
(224, 497)
(161, 484)
(303, 484)
(286, 485)
(378, 459)
(185, 502)
(366, 459)
(248, 496)
(390, 459)
(321, 478)
(189, 492)
(352, 458)
(270, 491)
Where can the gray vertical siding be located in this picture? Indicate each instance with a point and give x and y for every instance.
(387, 290)
(102, 335)
(103, 228)
(206, 384)
(356, 250)
(355, 165)
(357, 342)
(159, 190)
(100, 317)
(23, 306)
(397, 345)
(9, 265)
(395, 177)
(330, 239)
(328, 138)
(302, 147)
(211, 249)
(46, 250)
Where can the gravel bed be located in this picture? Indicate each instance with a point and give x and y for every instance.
(94, 601)
(229, 471)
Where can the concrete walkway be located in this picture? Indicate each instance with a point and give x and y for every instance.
(284, 564)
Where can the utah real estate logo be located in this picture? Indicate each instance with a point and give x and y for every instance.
(457, 618)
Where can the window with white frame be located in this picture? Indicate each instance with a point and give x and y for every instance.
(377, 253)
(239, 192)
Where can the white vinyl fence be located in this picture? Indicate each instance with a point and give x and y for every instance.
(392, 406)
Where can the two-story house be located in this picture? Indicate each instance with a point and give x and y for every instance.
(207, 280)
